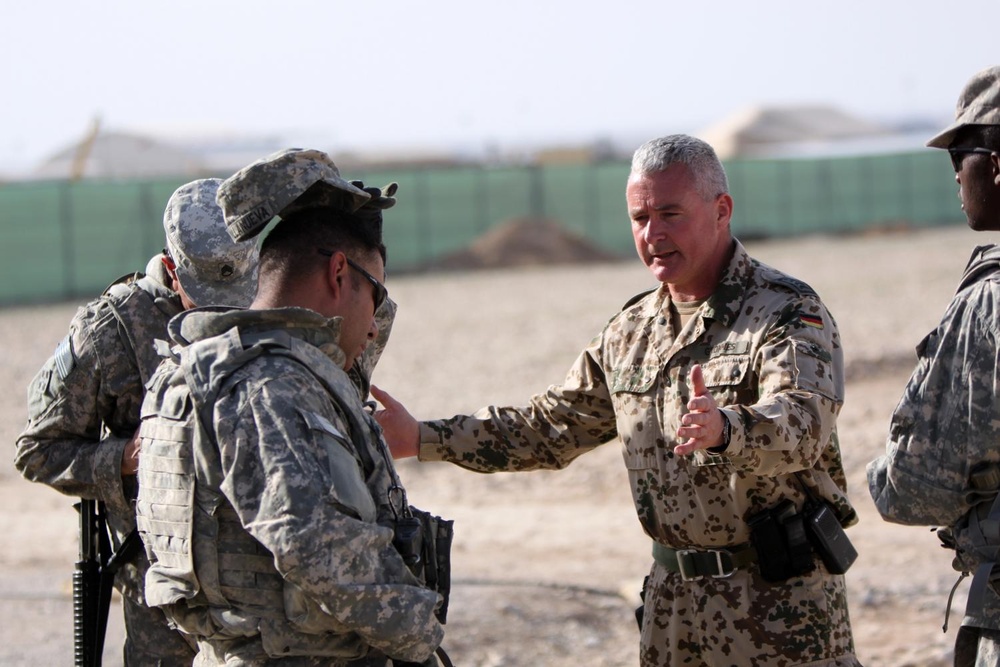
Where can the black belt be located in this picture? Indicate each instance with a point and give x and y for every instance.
(697, 564)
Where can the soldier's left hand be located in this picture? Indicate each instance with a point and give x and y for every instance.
(701, 427)
(130, 456)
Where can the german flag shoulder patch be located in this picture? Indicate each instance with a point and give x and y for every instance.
(814, 321)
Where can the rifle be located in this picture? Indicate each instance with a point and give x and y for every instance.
(93, 581)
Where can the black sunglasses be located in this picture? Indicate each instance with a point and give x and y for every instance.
(958, 154)
(379, 291)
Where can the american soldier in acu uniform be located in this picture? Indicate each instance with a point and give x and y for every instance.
(83, 405)
(942, 461)
(268, 502)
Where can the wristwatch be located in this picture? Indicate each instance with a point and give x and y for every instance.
(727, 435)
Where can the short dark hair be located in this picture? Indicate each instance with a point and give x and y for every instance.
(291, 248)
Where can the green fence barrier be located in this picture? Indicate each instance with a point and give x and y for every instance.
(69, 240)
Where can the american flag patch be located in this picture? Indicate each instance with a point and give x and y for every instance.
(811, 320)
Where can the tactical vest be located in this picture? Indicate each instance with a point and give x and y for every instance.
(223, 583)
(136, 295)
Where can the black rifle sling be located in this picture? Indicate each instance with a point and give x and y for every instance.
(986, 532)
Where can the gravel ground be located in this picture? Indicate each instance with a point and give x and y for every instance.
(547, 564)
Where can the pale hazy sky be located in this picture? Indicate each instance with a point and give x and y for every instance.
(468, 73)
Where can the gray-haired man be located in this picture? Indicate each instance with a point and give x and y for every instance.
(723, 385)
(83, 405)
(942, 460)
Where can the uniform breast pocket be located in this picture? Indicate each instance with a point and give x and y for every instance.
(347, 484)
(725, 375)
(634, 393)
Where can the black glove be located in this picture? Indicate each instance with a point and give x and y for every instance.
(381, 199)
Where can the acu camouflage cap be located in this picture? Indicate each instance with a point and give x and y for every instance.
(211, 267)
(251, 197)
(979, 104)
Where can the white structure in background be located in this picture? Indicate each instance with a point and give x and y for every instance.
(800, 131)
(118, 155)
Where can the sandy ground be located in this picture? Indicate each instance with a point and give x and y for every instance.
(547, 564)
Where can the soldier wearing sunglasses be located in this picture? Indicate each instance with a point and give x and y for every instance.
(287, 552)
(941, 463)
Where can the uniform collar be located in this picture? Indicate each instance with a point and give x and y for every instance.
(308, 325)
(724, 303)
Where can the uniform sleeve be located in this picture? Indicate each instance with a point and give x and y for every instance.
(556, 426)
(945, 423)
(800, 385)
(62, 444)
(293, 477)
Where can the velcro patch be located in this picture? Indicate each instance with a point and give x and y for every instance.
(64, 359)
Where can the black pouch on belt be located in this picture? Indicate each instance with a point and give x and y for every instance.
(828, 537)
(778, 535)
(434, 564)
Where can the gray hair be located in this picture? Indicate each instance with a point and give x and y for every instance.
(656, 155)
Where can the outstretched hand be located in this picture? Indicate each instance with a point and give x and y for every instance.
(701, 427)
(400, 430)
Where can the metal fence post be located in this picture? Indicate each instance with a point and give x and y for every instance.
(424, 227)
(147, 217)
(536, 192)
(66, 241)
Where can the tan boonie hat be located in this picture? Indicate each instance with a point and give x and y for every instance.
(979, 104)
(211, 267)
(251, 197)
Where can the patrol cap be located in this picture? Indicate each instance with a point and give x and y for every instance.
(211, 267)
(251, 197)
(979, 104)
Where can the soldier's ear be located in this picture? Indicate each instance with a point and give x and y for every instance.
(168, 264)
(995, 167)
(724, 208)
(336, 274)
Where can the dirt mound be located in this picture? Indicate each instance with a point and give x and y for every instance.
(525, 242)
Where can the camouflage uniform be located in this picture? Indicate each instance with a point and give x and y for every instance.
(266, 532)
(771, 356)
(945, 426)
(83, 408)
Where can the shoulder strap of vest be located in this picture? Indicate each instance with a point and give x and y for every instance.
(280, 342)
(351, 407)
(126, 279)
(127, 335)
